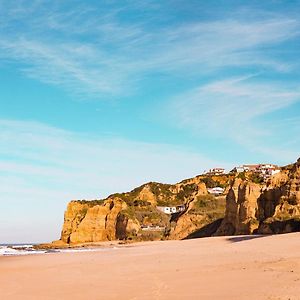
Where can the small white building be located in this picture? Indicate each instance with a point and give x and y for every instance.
(245, 168)
(216, 171)
(239, 169)
(171, 209)
(216, 190)
(153, 228)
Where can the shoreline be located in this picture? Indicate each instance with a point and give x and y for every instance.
(42, 249)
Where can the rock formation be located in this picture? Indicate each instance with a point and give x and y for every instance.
(252, 206)
(84, 223)
(271, 207)
(134, 215)
(241, 207)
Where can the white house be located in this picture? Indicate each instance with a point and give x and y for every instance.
(153, 228)
(216, 171)
(171, 209)
(216, 190)
(239, 169)
(245, 168)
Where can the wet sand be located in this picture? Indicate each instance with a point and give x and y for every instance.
(245, 267)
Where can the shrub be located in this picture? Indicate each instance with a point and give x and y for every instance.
(256, 178)
(242, 175)
(210, 206)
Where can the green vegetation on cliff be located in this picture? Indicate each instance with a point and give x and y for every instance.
(252, 205)
(91, 203)
(210, 206)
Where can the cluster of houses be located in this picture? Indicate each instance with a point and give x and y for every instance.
(264, 170)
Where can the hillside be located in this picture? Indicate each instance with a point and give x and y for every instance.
(137, 215)
(248, 205)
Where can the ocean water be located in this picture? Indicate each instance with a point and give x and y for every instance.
(18, 249)
(27, 249)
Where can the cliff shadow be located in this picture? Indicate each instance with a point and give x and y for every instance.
(175, 216)
(236, 239)
(267, 229)
(205, 231)
(278, 227)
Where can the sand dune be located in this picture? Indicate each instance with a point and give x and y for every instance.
(245, 267)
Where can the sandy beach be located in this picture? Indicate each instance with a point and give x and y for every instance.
(243, 267)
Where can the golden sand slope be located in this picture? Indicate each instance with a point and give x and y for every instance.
(211, 268)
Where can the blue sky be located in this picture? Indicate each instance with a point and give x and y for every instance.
(99, 97)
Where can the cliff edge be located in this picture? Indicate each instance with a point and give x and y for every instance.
(264, 208)
(140, 214)
(156, 211)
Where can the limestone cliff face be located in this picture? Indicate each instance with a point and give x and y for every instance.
(74, 214)
(273, 207)
(134, 215)
(84, 223)
(202, 218)
(241, 207)
(279, 204)
(185, 225)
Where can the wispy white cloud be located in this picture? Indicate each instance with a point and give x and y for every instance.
(218, 44)
(44, 166)
(71, 66)
(46, 148)
(232, 108)
(93, 51)
(234, 99)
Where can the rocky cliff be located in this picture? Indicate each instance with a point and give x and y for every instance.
(89, 222)
(251, 206)
(135, 216)
(270, 207)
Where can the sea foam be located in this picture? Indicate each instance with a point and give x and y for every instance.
(17, 250)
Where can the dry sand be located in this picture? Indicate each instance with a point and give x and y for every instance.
(211, 268)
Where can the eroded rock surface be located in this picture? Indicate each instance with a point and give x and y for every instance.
(251, 207)
(272, 207)
(84, 223)
(134, 215)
